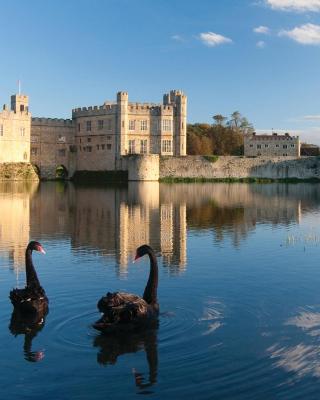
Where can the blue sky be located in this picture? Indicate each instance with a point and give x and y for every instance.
(261, 57)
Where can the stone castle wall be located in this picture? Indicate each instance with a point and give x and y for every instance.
(240, 167)
(143, 168)
(52, 145)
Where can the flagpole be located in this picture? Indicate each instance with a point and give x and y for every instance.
(19, 87)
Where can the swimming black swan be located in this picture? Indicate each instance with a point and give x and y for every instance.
(125, 311)
(31, 299)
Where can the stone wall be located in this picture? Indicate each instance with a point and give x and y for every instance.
(240, 167)
(52, 145)
(18, 172)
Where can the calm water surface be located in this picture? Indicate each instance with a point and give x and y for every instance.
(239, 290)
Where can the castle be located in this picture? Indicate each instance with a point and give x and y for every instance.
(95, 138)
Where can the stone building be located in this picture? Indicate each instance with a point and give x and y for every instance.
(271, 145)
(15, 130)
(96, 138)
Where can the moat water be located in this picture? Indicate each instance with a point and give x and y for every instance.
(239, 290)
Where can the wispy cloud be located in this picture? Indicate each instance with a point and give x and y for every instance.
(213, 39)
(294, 5)
(308, 34)
(177, 38)
(311, 117)
(264, 30)
(261, 44)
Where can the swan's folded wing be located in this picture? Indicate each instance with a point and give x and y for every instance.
(122, 307)
(117, 299)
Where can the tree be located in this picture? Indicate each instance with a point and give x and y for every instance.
(219, 119)
(235, 120)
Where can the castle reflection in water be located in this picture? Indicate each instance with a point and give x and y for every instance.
(115, 220)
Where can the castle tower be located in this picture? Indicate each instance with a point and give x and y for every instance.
(19, 103)
(122, 123)
(179, 100)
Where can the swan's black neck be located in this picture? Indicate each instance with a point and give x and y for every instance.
(150, 292)
(32, 278)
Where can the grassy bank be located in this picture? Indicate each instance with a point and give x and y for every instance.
(170, 179)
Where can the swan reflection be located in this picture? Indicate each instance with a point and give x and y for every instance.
(29, 326)
(113, 346)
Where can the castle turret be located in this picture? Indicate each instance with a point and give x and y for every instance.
(122, 123)
(19, 103)
(179, 101)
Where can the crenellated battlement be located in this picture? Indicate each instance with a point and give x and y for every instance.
(51, 121)
(106, 108)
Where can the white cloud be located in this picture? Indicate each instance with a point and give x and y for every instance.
(304, 34)
(294, 5)
(261, 44)
(213, 39)
(264, 30)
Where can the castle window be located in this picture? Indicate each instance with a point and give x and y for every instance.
(25, 155)
(251, 145)
(277, 145)
(266, 145)
(98, 146)
(285, 146)
(167, 146)
(21, 107)
(79, 127)
(62, 152)
(22, 131)
(143, 146)
(167, 125)
(109, 146)
(258, 146)
(100, 124)
(88, 125)
(89, 149)
(144, 125)
(34, 151)
(102, 146)
(132, 148)
(109, 124)
(89, 139)
(132, 124)
(1, 130)
(292, 145)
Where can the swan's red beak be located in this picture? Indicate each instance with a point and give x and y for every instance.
(41, 249)
(136, 258)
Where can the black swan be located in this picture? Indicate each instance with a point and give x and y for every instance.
(125, 311)
(32, 299)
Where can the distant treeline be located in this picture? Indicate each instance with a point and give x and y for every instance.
(224, 137)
